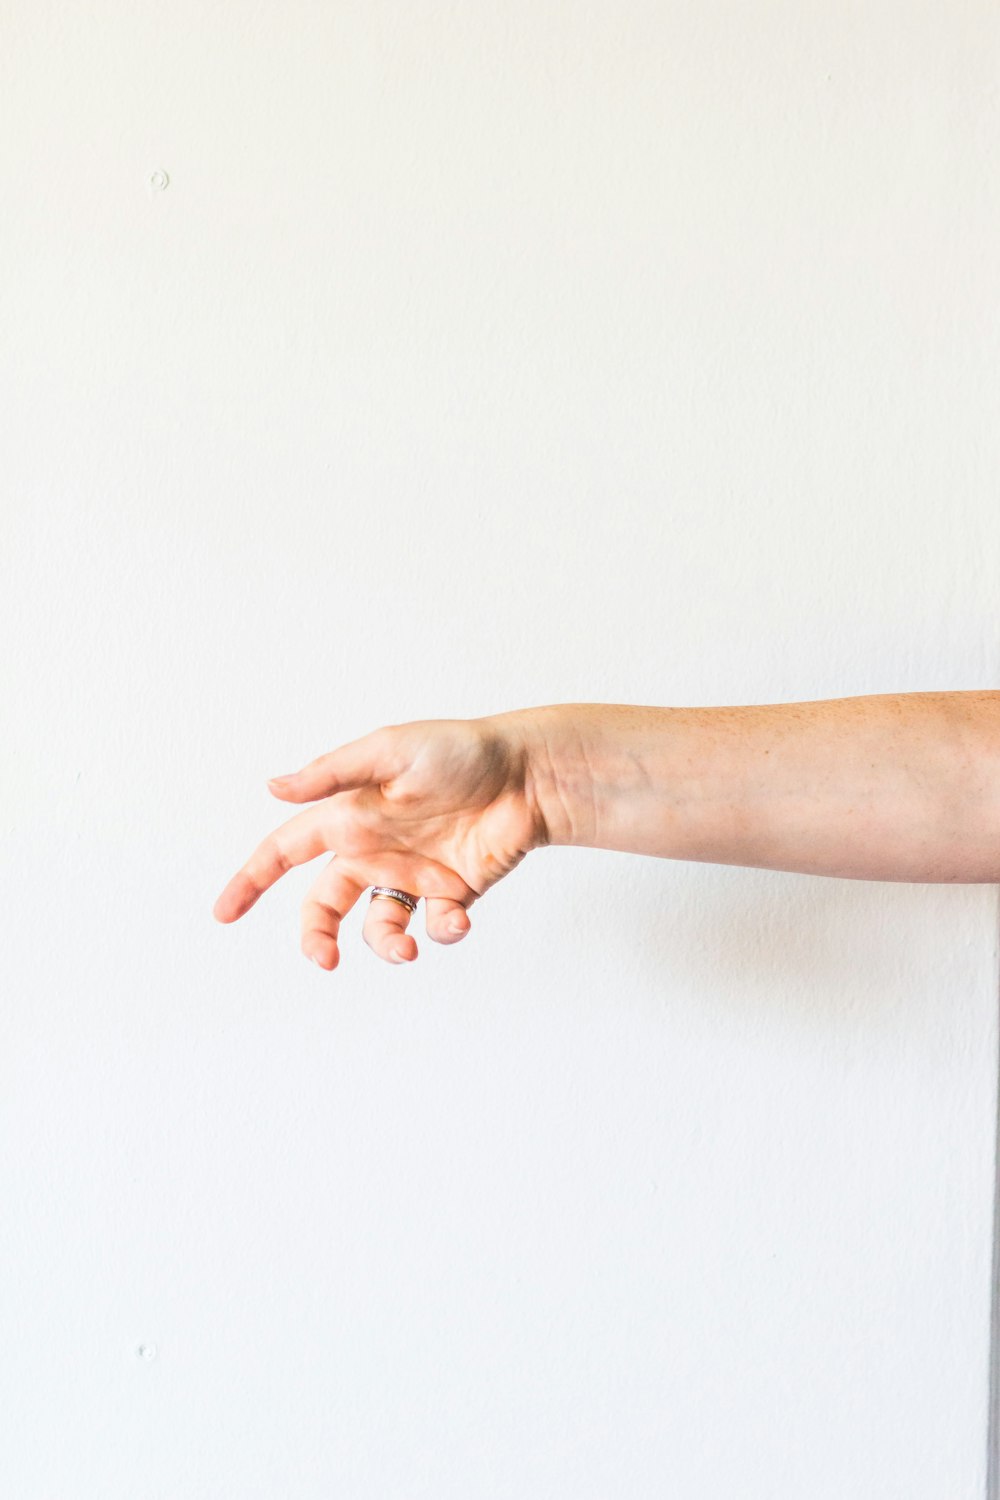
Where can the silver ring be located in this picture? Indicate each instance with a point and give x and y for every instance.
(403, 897)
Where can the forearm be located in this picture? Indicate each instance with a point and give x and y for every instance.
(902, 786)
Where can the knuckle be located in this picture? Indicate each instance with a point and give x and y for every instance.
(273, 854)
(401, 792)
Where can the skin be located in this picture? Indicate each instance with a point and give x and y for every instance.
(902, 786)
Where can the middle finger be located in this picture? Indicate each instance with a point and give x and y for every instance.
(330, 897)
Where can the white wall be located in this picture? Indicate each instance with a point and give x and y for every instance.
(479, 356)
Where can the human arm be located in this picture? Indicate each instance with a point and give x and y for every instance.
(902, 786)
(898, 786)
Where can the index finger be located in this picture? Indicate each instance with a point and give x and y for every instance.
(296, 842)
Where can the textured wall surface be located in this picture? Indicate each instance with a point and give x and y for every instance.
(474, 356)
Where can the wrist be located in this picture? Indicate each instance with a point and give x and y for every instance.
(587, 771)
(557, 772)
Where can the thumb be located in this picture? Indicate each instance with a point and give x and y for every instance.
(374, 758)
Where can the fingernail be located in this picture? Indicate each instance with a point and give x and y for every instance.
(455, 928)
(279, 780)
(397, 955)
(315, 960)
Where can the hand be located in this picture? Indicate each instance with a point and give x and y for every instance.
(441, 808)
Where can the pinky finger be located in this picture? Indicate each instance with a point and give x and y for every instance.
(446, 921)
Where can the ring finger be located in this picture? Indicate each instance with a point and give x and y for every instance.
(385, 931)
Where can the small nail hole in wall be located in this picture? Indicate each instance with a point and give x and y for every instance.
(159, 181)
(146, 1351)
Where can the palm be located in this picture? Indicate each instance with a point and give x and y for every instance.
(437, 808)
(428, 842)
